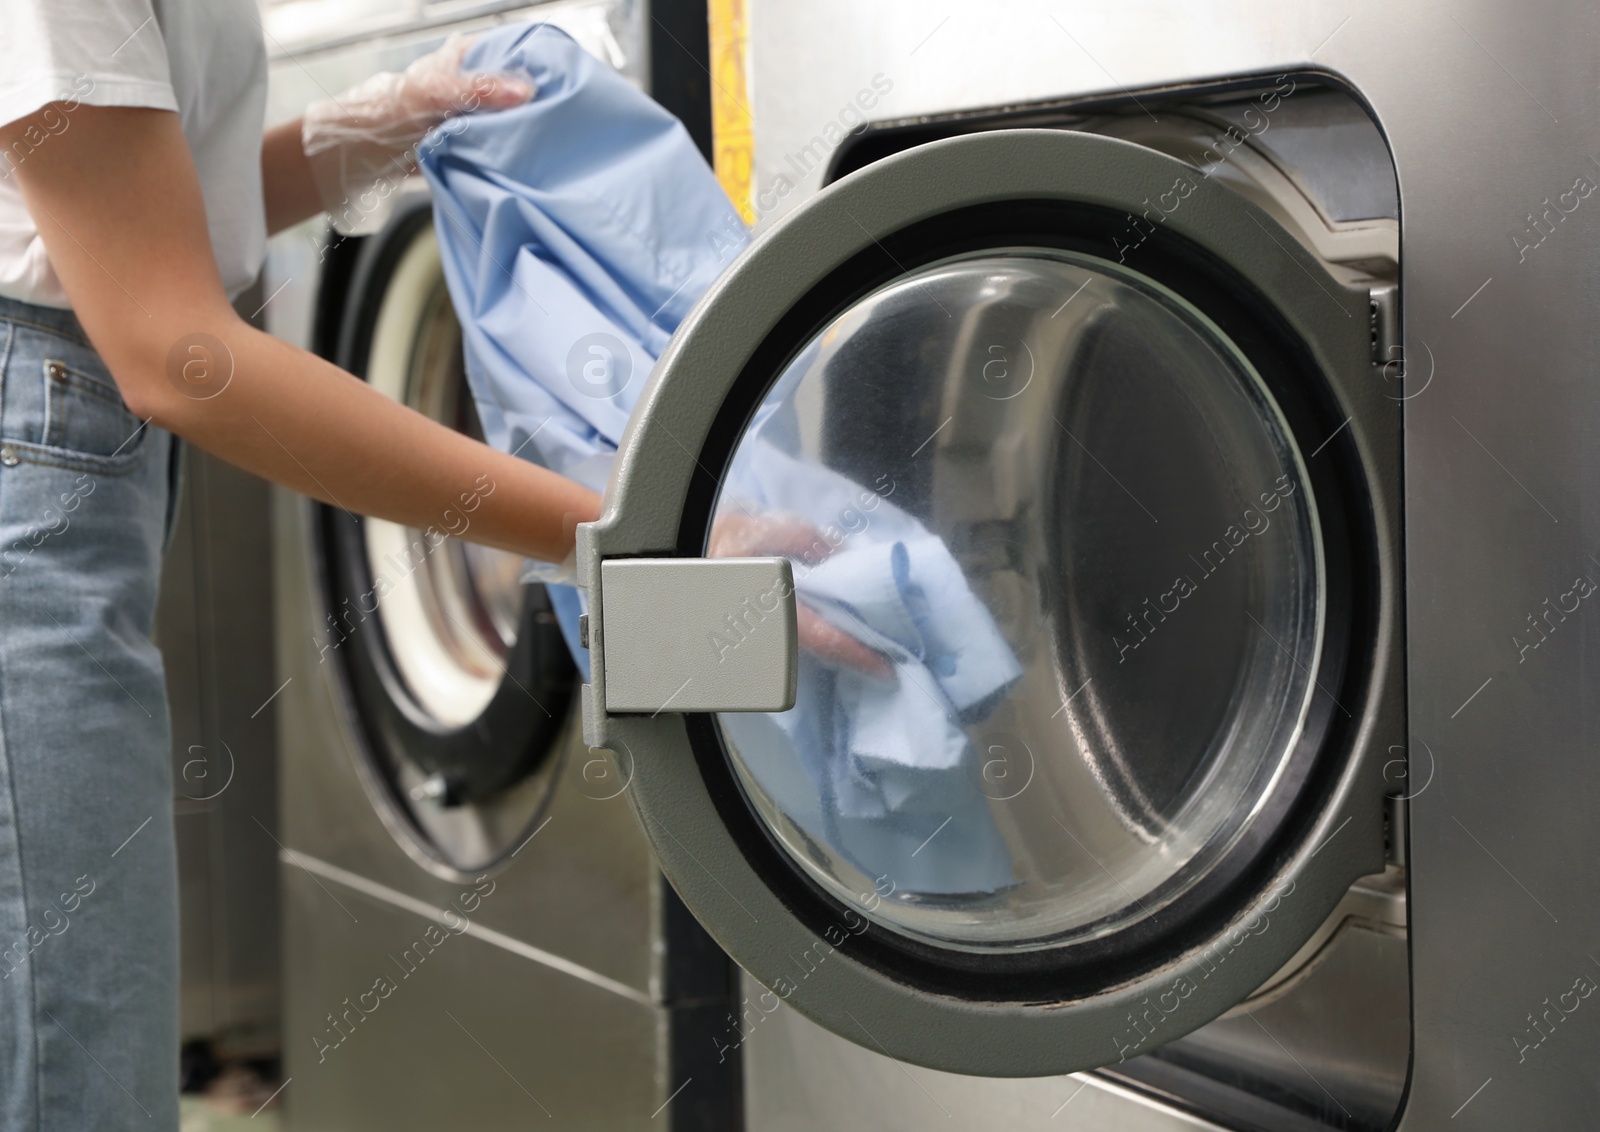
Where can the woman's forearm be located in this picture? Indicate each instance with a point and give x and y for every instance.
(287, 185)
(277, 422)
(119, 208)
(297, 420)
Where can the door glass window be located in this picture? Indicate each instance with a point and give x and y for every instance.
(449, 608)
(1060, 596)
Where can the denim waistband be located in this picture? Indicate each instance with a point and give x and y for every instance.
(53, 319)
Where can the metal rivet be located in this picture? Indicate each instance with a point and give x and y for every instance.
(8, 456)
(56, 371)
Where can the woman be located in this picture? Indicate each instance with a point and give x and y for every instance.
(136, 192)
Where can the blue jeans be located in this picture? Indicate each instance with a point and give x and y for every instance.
(88, 875)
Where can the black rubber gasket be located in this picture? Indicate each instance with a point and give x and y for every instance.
(1080, 970)
(513, 736)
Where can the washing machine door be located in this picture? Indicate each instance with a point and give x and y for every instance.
(993, 607)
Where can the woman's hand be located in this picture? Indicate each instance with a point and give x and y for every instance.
(348, 155)
(741, 535)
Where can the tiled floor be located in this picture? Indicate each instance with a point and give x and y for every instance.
(237, 1101)
(201, 1115)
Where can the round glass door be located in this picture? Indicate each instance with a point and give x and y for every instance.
(1060, 591)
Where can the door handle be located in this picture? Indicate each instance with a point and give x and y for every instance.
(696, 634)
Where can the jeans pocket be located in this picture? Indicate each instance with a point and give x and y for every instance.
(62, 409)
(85, 414)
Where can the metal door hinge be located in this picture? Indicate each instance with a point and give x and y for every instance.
(1396, 822)
(1383, 309)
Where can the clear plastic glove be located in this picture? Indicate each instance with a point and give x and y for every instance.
(362, 145)
(563, 573)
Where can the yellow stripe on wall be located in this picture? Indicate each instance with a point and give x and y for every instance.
(733, 143)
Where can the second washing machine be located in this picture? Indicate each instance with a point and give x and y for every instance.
(475, 933)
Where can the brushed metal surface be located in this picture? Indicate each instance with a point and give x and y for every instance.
(215, 631)
(1324, 1044)
(197, 992)
(801, 1077)
(1336, 1045)
(294, 26)
(463, 1035)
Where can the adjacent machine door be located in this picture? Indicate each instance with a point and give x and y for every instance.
(457, 673)
(995, 608)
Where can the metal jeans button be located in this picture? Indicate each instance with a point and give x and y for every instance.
(8, 456)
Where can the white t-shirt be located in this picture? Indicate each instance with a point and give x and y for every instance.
(204, 59)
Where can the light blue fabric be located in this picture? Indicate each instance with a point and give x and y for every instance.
(890, 583)
(577, 231)
(88, 867)
(894, 782)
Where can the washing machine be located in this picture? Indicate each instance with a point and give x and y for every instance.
(475, 933)
(1187, 403)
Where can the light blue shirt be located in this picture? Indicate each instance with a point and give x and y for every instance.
(576, 232)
